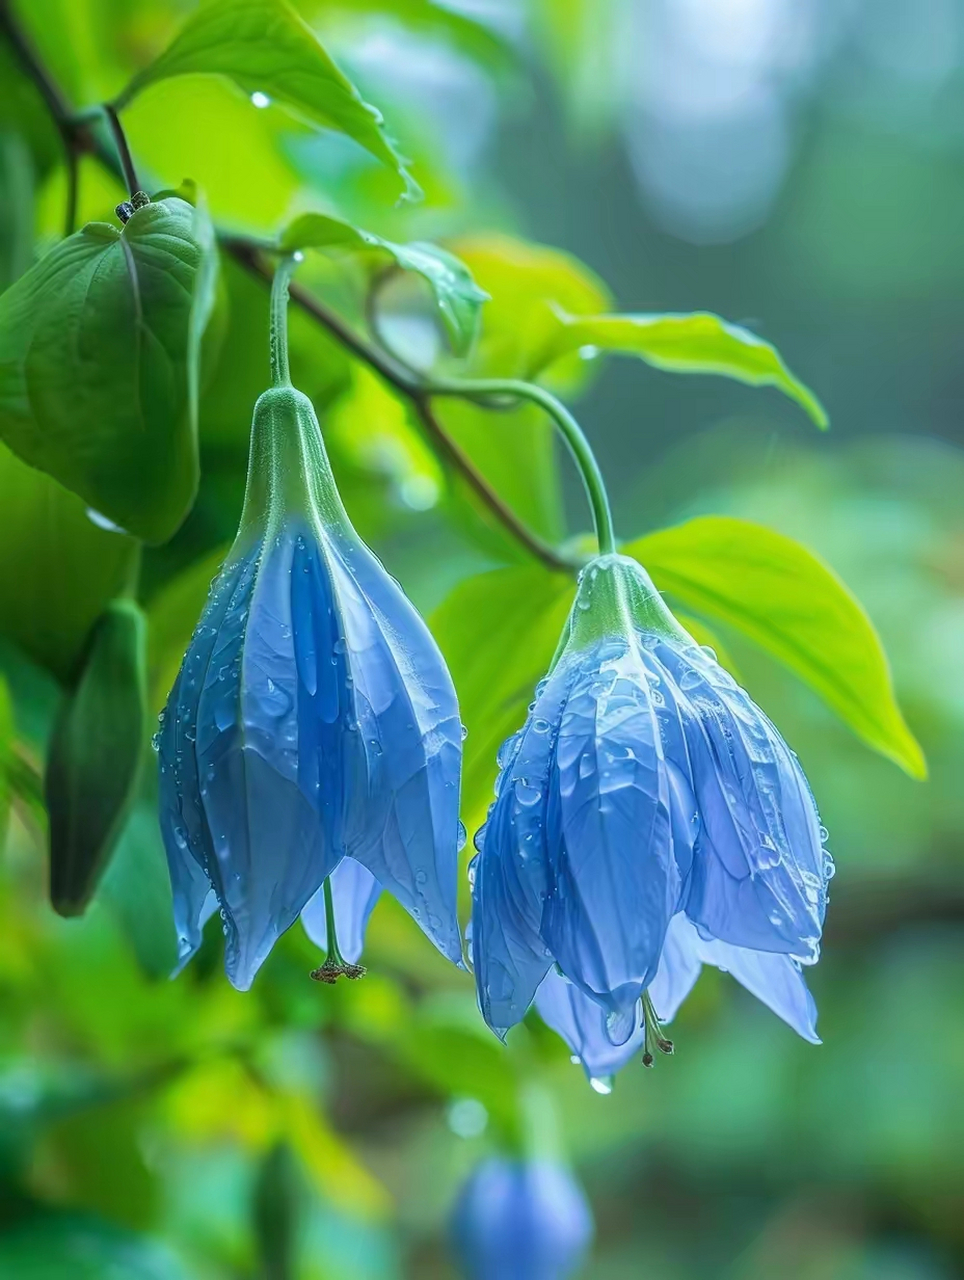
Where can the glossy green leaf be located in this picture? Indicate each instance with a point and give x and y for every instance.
(266, 48)
(58, 569)
(498, 632)
(98, 364)
(95, 754)
(792, 604)
(696, 343)
(458, 297)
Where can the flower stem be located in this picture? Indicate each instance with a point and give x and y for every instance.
(278, 333)
(123, 150)
(486, 391)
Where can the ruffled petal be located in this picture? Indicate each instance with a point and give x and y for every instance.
(354, 892)
(584, 1025)
(610, 831)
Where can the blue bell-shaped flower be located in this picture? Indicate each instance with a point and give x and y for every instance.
(645, 788)
(521, 1220)
(313, 718)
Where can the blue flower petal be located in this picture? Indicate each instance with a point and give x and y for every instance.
(403, 823)
(519, 1220)
(354, 893)
(759, 875)
(184, 826)
(610, 831)
(510, 873)
(585, 1027)
(273, 750)
(775, 979)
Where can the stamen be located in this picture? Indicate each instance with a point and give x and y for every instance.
(335, 966)
(654, 1041)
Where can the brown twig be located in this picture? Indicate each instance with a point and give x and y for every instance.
(78, 137)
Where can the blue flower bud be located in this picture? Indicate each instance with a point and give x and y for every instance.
(645, 790)
(313, 719)
(518, 1220)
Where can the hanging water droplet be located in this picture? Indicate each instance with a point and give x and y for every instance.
(260, 100)
(602, 1084)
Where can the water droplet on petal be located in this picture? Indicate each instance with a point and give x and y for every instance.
(602, 1084)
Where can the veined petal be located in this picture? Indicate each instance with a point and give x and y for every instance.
(584, 1025)
(510, 873)
(679, 967)
(610, 833)
(184, 827)
(354, 893)
(274, 749)
(774, 978)
(759, 873)
(403, 824)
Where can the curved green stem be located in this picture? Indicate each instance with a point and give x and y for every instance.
(278, 332)
(485, 390)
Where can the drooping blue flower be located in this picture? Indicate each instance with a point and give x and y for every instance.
(521, 1220)
(645, 786)
(313, 719)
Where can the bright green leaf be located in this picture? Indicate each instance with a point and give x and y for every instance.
(267, 49)
(498, 632)
(98, 364)
(782, 596)
(697, 343)
(459, 298)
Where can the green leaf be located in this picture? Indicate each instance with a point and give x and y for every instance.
(266, 48)
(95, 754)
(498, 632)
(136, 888)
(792, 604)
(16, 207)
(696, 343)
(458, 297)
(98, 364)
(49, 1246)
(57, 568)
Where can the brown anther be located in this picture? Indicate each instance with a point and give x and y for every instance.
(330, 972)
(647, 1059)
(665, 1046)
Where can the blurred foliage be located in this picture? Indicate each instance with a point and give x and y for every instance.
(165, 1129)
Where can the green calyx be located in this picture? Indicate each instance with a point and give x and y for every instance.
(288, 469)
(617, 597)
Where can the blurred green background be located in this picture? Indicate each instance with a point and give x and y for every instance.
(796, 166)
